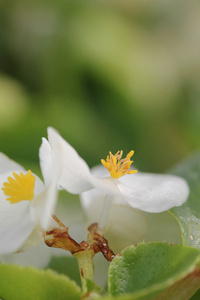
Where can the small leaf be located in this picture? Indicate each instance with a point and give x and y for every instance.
(188, 215)
(92, 286)
(155, 271)
(19, 283)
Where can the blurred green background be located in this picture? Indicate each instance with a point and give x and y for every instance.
(109, 75)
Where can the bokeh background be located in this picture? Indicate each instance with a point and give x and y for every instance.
(109, 75)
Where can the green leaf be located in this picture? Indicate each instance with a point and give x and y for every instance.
(188, 215)
(92, 286)
(66, 265)
(19, 283)
(196, 296)
(155, 271)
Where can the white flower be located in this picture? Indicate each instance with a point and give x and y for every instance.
(23, 197)
(144, 191)
(127, 225)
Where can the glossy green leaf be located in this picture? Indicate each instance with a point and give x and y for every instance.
(155, 271)
(19, 283)
(188, 215)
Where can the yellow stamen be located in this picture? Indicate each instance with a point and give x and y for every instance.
(19, 188)
(119, 167)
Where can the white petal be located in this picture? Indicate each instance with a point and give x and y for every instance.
(38, 257)
(46, 163)
(48, 201)
(73, 183)
(7, 164)
(39, 185)
(44, 202)
(92, 202)
(73, 171)
(153, 192)
(100, 171)
(16, 224)
(125, 225)
(17, 220)
(102, 180)
(35, 237)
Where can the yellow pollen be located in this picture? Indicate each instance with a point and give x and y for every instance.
(19, 188)
(117, 166)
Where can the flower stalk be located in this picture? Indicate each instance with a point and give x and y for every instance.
(84, 251)
(85, 263)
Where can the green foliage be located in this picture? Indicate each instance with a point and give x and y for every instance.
(18, 283)
(92, 287)
(188, 215)
(156, 269)
(196, 296)
(66, 265)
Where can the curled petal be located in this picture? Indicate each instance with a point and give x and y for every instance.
(46, 162)
(47, 204)
(46, 201)
(73, 171)
(153, 192)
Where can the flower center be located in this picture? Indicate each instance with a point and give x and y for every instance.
(117, 166)
(19, 188)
